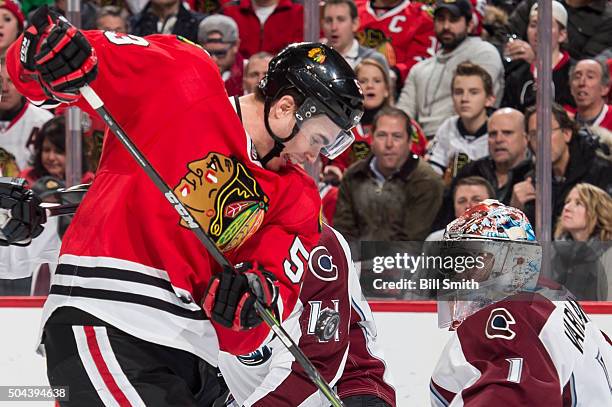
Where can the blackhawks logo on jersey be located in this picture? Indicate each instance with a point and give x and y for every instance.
(374, 38)
(225, 199)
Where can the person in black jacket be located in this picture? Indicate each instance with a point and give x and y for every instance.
(574, 160)
(589, 26)
(166, 17)
(520, 89)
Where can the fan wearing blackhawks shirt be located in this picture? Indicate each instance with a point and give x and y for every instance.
(136, 303)
(271, 377)
(511, 344)
(403, 30)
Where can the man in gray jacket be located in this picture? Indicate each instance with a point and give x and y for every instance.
(426, 96)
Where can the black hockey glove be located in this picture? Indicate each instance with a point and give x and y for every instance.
(231, 295)
(21, 216)
(59, 54)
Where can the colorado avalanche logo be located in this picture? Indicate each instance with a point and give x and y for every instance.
(256, 358)
(322, 265)
(498, 324)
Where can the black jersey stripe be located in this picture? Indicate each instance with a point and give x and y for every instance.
(120, 296)
(113, 274)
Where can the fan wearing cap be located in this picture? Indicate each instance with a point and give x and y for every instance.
(426, 95)
(218, 34)
(521, 73)
(514, 341)
(11, 23)
(589, 25)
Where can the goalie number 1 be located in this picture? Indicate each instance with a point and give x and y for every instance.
(515, 370)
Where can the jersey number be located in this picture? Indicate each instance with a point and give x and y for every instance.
(516, 368)
(295, 265)
(125, 39)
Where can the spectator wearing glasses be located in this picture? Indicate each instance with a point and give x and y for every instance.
(218, 35)
(574, 160)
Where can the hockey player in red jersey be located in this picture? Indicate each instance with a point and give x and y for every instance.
(351, 359)
(124, 321)
(511, 344)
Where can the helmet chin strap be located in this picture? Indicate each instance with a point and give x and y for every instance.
(279, 143)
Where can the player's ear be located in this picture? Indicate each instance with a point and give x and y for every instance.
(284, 107)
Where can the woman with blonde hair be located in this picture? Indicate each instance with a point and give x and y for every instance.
(583, 254)
(587, 214)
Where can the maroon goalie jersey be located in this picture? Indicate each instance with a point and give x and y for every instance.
(127, 257)
(526, 351)
(352, 361)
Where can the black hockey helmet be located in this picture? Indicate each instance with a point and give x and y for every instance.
(327, 82)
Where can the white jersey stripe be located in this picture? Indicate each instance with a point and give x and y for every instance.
(91, 369)
(124, 286)
(87, 261)
(113, 366)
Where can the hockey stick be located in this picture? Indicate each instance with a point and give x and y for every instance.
(266, 315)
(59, 210)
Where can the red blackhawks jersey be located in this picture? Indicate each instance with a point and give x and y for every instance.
(527, 351)
(405, 33)
(270, 376)
(127, 257)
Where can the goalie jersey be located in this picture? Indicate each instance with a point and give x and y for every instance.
(525, 351)
(270, 376)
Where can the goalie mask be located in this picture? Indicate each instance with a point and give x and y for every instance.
(505, 259)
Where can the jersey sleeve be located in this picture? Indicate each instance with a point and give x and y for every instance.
(326, 286)
(497, 357)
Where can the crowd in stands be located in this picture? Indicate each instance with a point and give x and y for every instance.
(449, 87)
